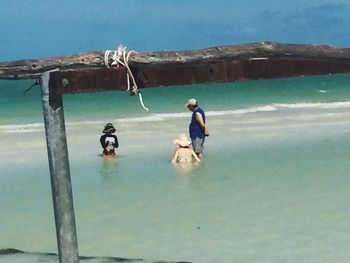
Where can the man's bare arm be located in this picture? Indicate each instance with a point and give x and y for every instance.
(203, 126)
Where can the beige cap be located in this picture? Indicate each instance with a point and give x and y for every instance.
(192, 102)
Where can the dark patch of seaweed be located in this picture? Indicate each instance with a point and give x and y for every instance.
(9, 251)
(13, 251)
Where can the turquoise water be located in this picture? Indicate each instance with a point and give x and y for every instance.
(273, 186)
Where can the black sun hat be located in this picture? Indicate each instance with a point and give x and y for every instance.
(109, 128)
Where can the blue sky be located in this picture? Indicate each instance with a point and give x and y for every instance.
(41, 28)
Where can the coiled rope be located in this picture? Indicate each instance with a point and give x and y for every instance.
(121, 57)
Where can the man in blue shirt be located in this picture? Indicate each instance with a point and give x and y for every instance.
(198, 128)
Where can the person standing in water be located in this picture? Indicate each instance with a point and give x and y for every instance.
(109, 141)
(198, 129)
(183, 153)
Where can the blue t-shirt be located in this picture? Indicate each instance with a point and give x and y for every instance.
(195, 128)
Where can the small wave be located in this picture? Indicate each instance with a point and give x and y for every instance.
(153, 117)
(312, 105)
(156, 117)
(242, 111)
(39, 127)
(22, 128)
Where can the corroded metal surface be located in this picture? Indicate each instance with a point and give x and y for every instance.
(88, 80)
(235, 70)
(265, 60)
(146, 75)
(235, 54)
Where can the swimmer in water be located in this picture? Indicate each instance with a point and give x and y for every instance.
(109, 141)
(184, 152)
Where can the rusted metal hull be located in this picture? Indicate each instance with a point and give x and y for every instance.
(147, 76)
(235, 70)
(265, 60)
(88, 80)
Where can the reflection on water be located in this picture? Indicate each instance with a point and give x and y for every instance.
(185, 168)
(188, 173)
(109, 167)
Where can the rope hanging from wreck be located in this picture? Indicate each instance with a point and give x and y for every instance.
(121, 57)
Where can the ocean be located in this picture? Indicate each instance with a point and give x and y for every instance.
(273, 185)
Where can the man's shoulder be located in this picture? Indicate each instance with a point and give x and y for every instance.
(199, 110)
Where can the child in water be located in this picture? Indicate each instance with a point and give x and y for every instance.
(184, 153)
(109, 141)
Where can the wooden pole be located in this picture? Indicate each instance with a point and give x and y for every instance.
(59, 173)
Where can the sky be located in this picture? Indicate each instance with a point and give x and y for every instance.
(43, 28)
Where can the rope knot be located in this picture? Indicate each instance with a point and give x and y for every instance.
(121, 57)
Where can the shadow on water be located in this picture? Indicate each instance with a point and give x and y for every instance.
(23, 256)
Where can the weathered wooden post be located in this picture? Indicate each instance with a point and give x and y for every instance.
(59, 173)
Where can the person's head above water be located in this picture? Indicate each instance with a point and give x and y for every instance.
(182, 140)
(109, 128)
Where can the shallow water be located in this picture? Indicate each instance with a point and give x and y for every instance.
(273, 186)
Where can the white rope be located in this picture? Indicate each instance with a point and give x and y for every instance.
(120, 57)
(141, 101)
(126, 60)
(107, 53)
